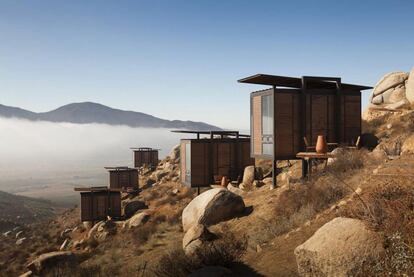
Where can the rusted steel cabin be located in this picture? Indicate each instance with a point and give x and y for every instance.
(145, 156)
(296, 108)
(205, 160)
(123, 177)
(97, 203)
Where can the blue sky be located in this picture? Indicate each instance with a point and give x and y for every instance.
(182, 59)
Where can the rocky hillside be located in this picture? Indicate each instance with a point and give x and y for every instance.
(89, 112)
(19, 210)
(354, 217)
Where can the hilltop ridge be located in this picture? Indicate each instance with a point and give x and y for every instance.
(90, 112)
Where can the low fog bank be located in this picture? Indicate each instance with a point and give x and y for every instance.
(45, 153)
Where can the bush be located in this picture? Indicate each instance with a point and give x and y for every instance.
(143, 233)
(348, 160)
(222, 252)
(300, 203)
(389, 210)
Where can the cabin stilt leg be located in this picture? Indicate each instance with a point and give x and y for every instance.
(304, 168)
(274, 175)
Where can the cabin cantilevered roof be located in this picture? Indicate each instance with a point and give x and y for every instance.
(293, 82)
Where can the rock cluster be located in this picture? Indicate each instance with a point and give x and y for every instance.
(394, 91)
(168, 170)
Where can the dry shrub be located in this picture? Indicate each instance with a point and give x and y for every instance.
(348, 160)
(390, 210)
(223, 252)
(143, 233)
(300, 203)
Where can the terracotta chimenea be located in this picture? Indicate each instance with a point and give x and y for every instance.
(321, 145)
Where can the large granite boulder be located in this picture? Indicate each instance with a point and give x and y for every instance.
(337, 248)
(390, 89)
(197, 236)
(248, 175)
(132, 206)
(138, 219)
(47, 261)
(211, 207)
(409, 90)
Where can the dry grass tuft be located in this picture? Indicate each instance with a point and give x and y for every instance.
(348, 160)
(223, 252)
(390, 211)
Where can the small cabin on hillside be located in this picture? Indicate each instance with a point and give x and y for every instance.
(145, 156)
(295, 110)
(123, 177)
(97, 203)
(205, 160)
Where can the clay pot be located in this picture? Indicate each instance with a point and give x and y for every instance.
(321, 145)
(224, 181)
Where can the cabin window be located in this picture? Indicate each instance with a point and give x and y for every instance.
(188, 163)
(267, 124)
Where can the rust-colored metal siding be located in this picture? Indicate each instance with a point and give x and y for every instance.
(145, 157)
(287, 124)
(123, 178)
(97, 206)
(297, 115)
(217, 157)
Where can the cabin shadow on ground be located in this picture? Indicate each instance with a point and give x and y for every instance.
(243, 270)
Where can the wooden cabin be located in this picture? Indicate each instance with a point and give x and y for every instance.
(123, 177)
(294, 110)
(97, 203)
(145, 156)
(205, 160)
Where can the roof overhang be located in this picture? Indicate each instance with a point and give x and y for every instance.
(293, 82)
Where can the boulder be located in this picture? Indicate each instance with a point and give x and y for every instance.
(234, 189)
(248, 175)
(65, 233)
(408, 145)
(19, 234)
(49, 260)
(175, 153)
(87, 225)
(257, 184)
(64, 245)
(212, 271)
(20, 241)
(102, 230)
(389, 82)
(337, 248)
(132, 206)
(378, 154)
(159, 174)
(26, 274)
(195, 238)
(138, 219)
(409, 90)
(211, 207)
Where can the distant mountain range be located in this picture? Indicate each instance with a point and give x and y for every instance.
(89, 112)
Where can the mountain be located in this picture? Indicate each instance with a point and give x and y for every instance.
(89, 112)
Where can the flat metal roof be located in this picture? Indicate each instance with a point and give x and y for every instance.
(229, 133)
(144, 149)
(293, 82)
